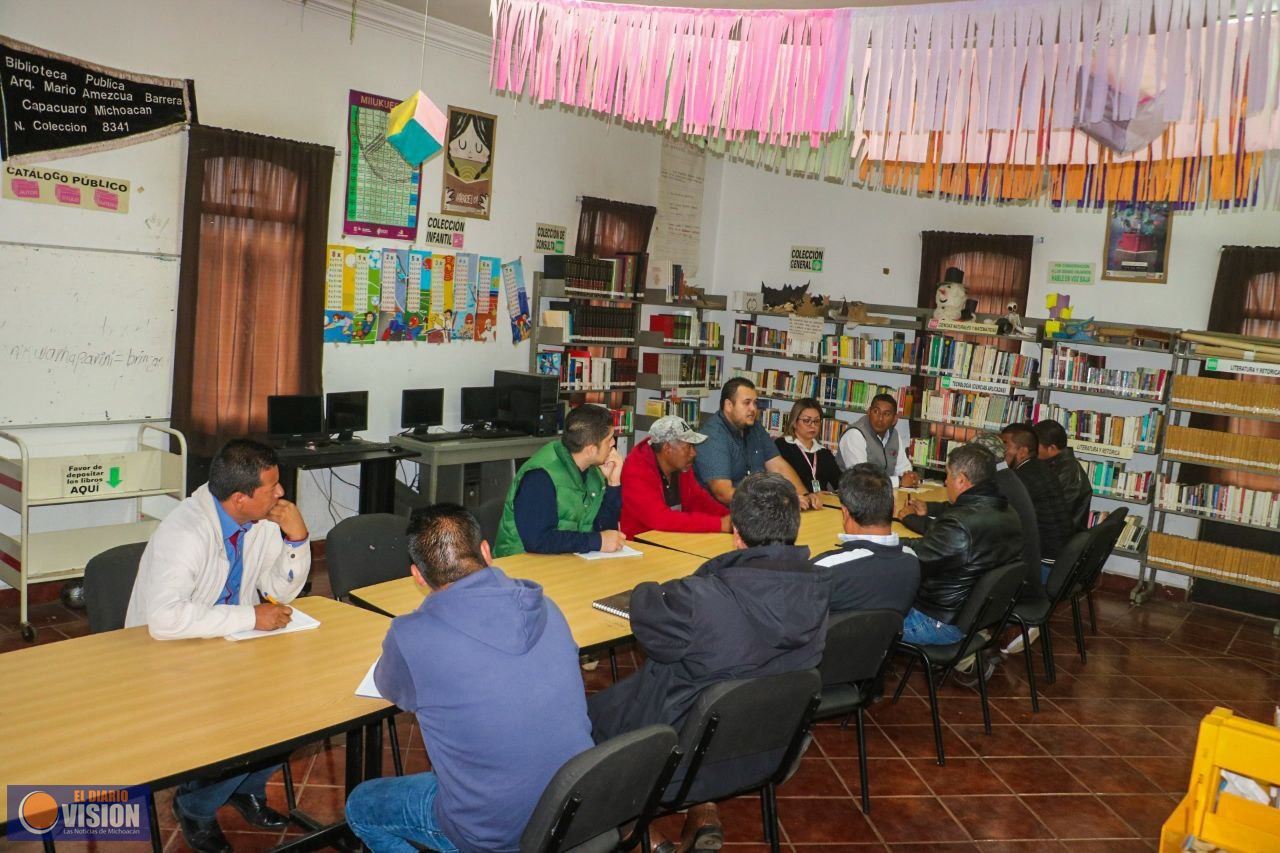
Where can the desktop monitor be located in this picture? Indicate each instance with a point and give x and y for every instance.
(295, 417)
(421, 408)
(347, 412)
(479, 405)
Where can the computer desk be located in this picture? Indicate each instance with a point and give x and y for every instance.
(440, 474)
(377, 470)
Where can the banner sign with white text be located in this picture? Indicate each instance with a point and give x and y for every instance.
(53, 105)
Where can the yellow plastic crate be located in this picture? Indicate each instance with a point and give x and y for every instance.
(1227, 742)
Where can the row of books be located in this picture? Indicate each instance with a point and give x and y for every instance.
(829, 390)
(946, 356)
(688, 330)
(690, 410)
(931, 451)
(773, 420)
(621, 276)
(1113, 480)
(896, 353)
(591, 323)
(1065, 367)
(685, 369)
(1132, 536)
(751, 336)
(1141, 432)
(1210, 560)
(624, 419)
(1223, 450)
(1229, 503)
(1229, 396)
(580, 371)
(981, 411)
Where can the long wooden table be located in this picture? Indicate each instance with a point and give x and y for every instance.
(120, 708)
(571, 582)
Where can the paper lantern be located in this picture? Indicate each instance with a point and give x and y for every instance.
(416, 129)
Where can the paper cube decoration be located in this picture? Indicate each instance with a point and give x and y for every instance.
(1059, 305)
(416, 129)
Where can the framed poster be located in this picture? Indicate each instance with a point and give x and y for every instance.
(1137, 242)
(468, 164)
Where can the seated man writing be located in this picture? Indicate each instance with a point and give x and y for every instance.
(871, 570)
(757, 611)
(737, 445)
(218, 564)
(567, 497)
(974, 533)
(488, 666)
(659, 488)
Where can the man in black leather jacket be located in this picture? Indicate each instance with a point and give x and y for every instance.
(1061, 459)
(975, 532)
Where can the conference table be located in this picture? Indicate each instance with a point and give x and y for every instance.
(569, 580)
(121, 709)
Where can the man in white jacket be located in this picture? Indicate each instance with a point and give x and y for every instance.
(228, 559)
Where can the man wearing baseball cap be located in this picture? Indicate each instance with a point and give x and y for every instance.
(659, 488)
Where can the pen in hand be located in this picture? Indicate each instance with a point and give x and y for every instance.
(270, 615)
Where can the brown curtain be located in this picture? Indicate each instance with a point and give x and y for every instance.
(251, 291)
(606, 228)
(997, 267)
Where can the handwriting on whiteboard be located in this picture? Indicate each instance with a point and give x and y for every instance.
(75, 359)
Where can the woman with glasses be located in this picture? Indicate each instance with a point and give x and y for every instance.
(814, 464)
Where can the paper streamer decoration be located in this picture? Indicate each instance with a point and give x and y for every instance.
(416, 129)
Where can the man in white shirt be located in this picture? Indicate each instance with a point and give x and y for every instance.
(227, 559)
(874, 439)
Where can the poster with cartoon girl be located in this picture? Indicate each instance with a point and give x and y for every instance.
(468, 164)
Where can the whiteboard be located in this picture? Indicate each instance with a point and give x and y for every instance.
(86, 336)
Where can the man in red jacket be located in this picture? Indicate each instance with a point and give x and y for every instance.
(660, 490)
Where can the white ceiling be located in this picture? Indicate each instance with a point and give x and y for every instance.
(474, 14)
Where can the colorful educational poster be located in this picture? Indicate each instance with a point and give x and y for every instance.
(417, 295)
(382, 189)
(468, 164)
(339, 294)
(517, 300)
(368, 293)
(488, 288)
(440, 315)
(465, 277)
(395, 280)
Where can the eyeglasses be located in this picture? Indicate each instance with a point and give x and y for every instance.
(809, 421)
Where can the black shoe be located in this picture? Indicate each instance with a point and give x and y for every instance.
(255, 810)
(202, 836)
(970, 679)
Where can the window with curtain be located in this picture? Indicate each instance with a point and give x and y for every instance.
(251, 292)
(606, 228)
(997, 269)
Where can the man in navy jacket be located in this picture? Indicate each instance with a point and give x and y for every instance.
(489, 667)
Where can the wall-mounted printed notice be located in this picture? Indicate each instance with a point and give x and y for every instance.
(65, 189)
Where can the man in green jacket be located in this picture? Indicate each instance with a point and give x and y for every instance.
(567, 498)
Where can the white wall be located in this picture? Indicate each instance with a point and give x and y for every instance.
(277, 68)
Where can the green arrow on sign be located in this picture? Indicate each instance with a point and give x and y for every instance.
(113, 478)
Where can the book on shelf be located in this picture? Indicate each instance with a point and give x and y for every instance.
(623, 419)
(829, 390)
(690, 410)
(582, 370)
(931, 451)
(1220, 502)
(1222, 450)
(1132, 536)
(682, 369)
(1228, 396)
(630, 273)
(1110, 479)
(1141, 432)
(1067, 368)
(752, 337)
(1211, 560)
(688, 330)
(615, 605)
(774, 420)
(947, 356)
(969, 409)
(592, 323)
(896, 353)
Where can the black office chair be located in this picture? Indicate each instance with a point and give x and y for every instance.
(986, 610)
(489, 514)
(753, 731)
(596, 793)
(1106, 534)
(364, 550)
(1020, 502)
(108, 584)
(852, 670)
(1036, 611)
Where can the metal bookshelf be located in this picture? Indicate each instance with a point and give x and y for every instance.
(1186, 362)
(648, 339)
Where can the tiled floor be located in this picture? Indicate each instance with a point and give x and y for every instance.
(1099, 768)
